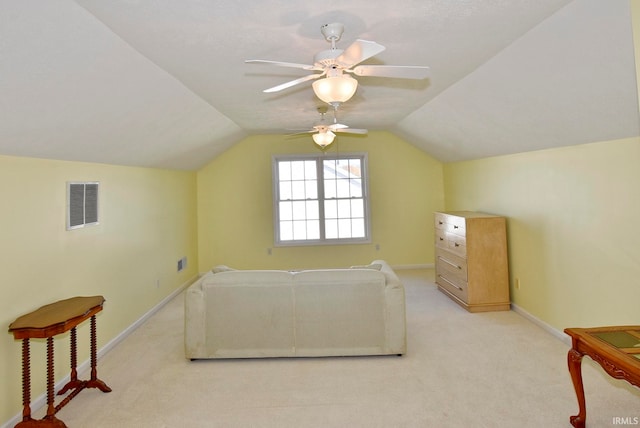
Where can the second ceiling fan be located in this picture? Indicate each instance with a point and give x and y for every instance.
(335, 65)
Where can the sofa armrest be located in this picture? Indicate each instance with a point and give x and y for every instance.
(395, 312)
(194, 319)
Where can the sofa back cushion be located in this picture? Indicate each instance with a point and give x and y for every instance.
(249, 312)
(340, 309)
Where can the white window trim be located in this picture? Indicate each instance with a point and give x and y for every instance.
(314, 242)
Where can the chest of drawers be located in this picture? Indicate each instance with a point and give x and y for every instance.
(471, 259)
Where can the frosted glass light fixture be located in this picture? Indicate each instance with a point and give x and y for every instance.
(323, 139)
(336, 88)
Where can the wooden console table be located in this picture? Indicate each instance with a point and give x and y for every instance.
(44, 323)
(616, 349)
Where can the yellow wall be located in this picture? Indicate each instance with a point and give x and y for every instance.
(148, 222)
(572, 215)
(235, 207)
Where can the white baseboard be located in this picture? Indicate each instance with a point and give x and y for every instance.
(537, 321)
(41, 400)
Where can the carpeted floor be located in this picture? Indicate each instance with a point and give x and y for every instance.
(461, 370)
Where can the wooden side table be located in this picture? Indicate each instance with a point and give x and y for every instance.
(44, 323)
(616, 349)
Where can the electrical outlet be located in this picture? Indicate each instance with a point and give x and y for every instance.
(157, 283)
(517, 283)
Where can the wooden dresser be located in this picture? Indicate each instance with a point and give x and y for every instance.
(471, 259)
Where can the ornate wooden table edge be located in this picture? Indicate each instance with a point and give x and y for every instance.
(44, 323)
(618, 362)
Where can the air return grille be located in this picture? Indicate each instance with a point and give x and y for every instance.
(82, 204)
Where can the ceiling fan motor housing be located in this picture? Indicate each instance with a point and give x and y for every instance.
(327, 58)
(332, 32)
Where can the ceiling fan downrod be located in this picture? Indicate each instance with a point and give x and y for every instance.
(332, 33)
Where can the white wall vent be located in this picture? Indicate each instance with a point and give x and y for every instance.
(82, 204)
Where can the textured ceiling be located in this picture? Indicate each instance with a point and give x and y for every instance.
(163, 83)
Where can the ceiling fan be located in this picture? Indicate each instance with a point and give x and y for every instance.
(323, 134)
(336, 86)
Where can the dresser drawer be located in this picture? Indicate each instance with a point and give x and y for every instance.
(449, 223)
(451, 264)
(456, 244)
(450, 241)
(453, 285)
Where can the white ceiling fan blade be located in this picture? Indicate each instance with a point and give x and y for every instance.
(282, 64)
(301, 133)
(397, 71)
(352, 131)
(357, 52)
(293, 83)
(335, 126)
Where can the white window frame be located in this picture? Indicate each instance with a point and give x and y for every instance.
(319, 158)
(77, 201)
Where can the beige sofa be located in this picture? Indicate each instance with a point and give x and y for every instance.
(311, 313)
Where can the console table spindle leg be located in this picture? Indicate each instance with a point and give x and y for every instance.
(73, 381)
(50, 407)
(26, 381)
(94, 382)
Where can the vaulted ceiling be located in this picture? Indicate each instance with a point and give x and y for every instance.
(163, 83)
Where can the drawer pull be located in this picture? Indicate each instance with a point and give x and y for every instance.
(449, 263)
(456, 244)
(439, 222)
(449, 282)
(441, 238)
(455, 226)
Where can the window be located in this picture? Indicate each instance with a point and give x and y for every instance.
(321, 199)
(82, 204)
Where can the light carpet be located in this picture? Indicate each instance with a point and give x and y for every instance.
(461, 370)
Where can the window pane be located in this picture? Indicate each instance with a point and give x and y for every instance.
(313, 211)
(285, 190)
(311, 189)
(343, 188)
(344, 228)
(286, 230)
(313, 229)
(297, 190)
(284, 170)
(357, 208)
(331, 229)
(329, 189)
(299, 211)
(300, 229)
(310, 170)
(331, 209)
(356, 188)
(297, 170)
(286, 212)
(344, 208)
(357, 228)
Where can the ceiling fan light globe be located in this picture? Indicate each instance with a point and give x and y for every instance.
(337, 89)
(323, 139)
